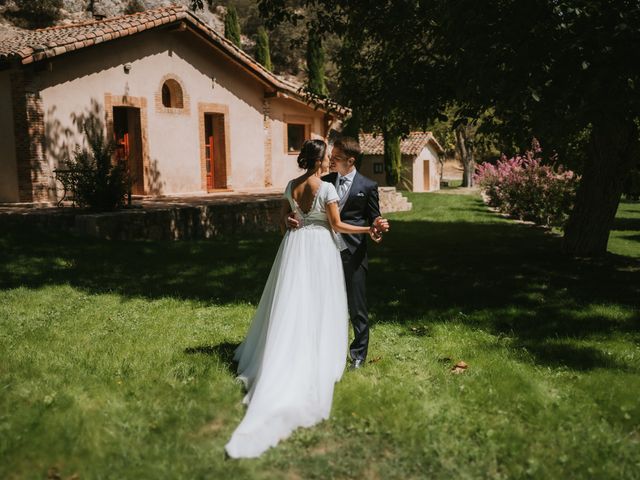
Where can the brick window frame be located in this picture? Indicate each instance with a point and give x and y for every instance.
(186, 99)
(296, 120)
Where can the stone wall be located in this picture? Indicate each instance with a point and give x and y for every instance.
(174, 223)
(189, 220)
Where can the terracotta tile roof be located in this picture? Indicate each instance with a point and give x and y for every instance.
(35, 45)
(412, 145)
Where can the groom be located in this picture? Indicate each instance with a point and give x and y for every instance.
(359, 206)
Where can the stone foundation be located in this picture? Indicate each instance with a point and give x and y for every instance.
(174, 223)
(172, 219)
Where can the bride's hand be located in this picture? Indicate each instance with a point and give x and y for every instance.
(375, 235)
(292, 221)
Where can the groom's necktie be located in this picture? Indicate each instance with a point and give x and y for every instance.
(344, 183)
(343, 186)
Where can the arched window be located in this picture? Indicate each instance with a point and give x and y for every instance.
(172, 94)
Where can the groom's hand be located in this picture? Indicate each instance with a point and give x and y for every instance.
(292, 222)
(375, 235)
(381, 224)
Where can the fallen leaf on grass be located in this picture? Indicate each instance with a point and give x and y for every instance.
(375, 360)
(459, 367)
(53, 474)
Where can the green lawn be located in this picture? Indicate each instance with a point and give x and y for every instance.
(115, 356)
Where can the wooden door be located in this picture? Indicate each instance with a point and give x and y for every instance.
(127, 133)
(215, 151)
(427, 176)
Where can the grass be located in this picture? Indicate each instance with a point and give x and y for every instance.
(115, 357)
(625, 237)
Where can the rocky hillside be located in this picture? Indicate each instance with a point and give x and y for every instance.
(287, 43)
(12, 21)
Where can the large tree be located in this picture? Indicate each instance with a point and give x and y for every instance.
(315, 65)
(560, 69)
(232, 25)
(262, 48)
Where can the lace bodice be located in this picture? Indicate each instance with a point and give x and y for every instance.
(317, 214)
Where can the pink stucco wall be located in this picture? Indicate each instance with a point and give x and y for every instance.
(76, 83)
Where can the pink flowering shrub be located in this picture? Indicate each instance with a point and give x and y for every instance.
(526, 189)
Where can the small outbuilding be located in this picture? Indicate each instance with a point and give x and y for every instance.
(421, 161)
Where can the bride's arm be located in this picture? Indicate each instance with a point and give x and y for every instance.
(285, 210)
(333, 214)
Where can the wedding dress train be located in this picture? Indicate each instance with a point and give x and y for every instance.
(296, 347)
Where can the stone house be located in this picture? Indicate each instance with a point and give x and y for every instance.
(189, 111)
(421, 161)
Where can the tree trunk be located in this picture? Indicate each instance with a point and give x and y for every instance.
(392, 158)
(613, 149)
(467, 174)
(466, 155)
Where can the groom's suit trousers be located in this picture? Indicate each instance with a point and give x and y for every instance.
(361, 208)
(355, 276)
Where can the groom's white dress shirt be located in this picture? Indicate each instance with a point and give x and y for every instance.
(343, 185)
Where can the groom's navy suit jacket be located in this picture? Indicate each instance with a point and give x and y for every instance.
(361, 209)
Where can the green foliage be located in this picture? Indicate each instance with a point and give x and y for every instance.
(352, 126)
(284, 46)
(232, 25)
(93, 180)
(262, 49)
(115, 359)
(315, 65)
(402, 62)
(134, 6)
(392, 158)
(39, 13)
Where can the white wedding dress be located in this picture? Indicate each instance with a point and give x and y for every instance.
(296, 348)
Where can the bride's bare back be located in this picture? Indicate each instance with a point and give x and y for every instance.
(304, 190)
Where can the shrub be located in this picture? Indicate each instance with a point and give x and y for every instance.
(526, 188)
(94, 181)
(39, 13)
(134, 6)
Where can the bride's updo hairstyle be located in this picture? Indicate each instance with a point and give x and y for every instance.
(310, 153)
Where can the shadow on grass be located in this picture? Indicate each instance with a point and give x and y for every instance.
(474, 268)
(633, 237)
(224, 352)
(575, 357)
(626, 224)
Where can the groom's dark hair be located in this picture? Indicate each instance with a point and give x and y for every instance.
(351, 148)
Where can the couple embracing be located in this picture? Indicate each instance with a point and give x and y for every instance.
(295, 349)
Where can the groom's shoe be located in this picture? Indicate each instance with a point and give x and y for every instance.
(356, 364)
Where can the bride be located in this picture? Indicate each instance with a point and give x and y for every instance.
(296, 347)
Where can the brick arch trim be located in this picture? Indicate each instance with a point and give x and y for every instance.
(186, 100)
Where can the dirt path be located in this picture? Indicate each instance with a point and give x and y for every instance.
(460, 190)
